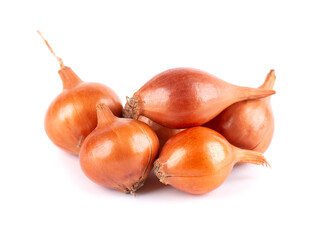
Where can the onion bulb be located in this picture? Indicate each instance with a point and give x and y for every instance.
(248, 124)
(198, 160)
(119, 153)
(186, 97)
(71, 116)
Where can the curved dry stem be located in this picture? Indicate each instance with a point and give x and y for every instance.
(51, 50)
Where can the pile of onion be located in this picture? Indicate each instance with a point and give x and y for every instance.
(201, 125)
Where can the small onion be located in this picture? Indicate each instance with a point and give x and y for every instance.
(71, 116)
(119, 153)
(198, 160)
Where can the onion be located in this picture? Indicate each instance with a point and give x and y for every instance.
(163, 133)
(186, 97)
(248, 124)
(119, 153)
(71, 116)
(199, 159)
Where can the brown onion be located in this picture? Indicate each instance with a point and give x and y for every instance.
(248, 124)
(198, 160)
(71, 116)
(119, 153)
(186, 97)
(163, 133)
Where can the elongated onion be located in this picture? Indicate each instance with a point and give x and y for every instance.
(186, 97)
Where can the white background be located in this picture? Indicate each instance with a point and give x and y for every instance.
(44, 194)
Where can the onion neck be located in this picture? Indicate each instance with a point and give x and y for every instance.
(269, 81)
(69, 78)
(104, 115)
(249, 156)
(247, 93)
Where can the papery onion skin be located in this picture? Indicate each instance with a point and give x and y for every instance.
(198, 160)
(71, 116)
(186, 97)
(248, 124)
(163, 133)
(119, 153)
